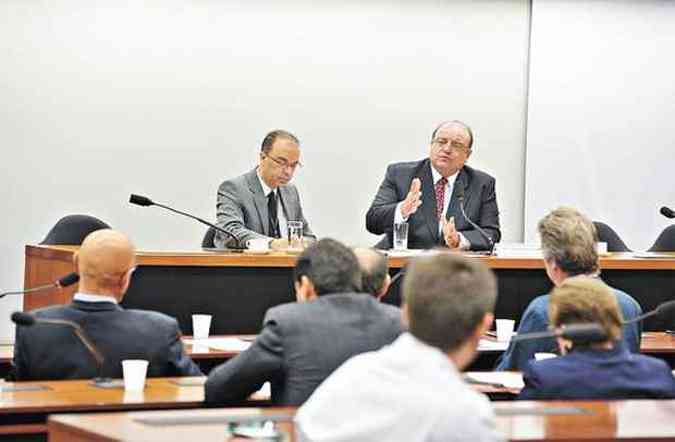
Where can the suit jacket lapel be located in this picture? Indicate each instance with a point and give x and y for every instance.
(288, 203)
(259, 200)
(429, 199)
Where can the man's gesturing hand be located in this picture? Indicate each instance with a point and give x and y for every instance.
(414, 199)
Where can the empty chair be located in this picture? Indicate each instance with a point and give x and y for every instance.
(207, 242)
(72, 229)
(666, 241)
(607, 235)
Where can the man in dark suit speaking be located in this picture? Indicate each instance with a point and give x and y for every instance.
(105, 262)
(301, 343)
(425, 195)
(261, 202)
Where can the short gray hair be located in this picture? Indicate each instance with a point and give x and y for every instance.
(271, 137)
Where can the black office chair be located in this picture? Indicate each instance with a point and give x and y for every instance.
(607, 235)
(666, 241)
(209, 236)
(72, 229)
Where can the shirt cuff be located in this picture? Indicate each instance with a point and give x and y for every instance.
(398, 218)
(464, 243)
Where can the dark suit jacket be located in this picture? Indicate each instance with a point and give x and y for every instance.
(301, 344)
(45, 351)
(480, 204)
(241, 209)
(598, 374)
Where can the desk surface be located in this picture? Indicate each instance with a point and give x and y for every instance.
(518, 421)
(282, 259)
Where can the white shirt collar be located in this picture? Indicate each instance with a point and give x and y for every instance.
(436, 175)
(91, 297)
(266, 189)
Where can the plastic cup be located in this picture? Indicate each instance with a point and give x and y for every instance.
(200, 326)
(505, 329)
(295, 235)
(134, 372)
(400, 236)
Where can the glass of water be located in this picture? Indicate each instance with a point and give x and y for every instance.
(295, 235)
(400, 236)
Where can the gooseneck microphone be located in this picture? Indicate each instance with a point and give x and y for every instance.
(662, 309)
(460, 198)
(69, 279)
(667, 212)
(29, 320)
(144, 201)
(587, 333)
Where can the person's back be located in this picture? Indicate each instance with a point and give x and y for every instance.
(412, 390)
(105, 263)
(302, 343)
(319, 336)
(600, 367)
(52, 352)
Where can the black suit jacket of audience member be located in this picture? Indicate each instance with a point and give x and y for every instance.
(52, 352)
(303, 343)
(480, 204)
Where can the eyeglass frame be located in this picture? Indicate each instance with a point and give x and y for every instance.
(455, 146)
(281, 162)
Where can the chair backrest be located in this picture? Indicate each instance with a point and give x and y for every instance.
(73, 229)
(607, 235)
(207, 242)
(666, 241)
(395, 290)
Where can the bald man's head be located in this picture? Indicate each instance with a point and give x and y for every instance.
(374, 271)
(104, 263)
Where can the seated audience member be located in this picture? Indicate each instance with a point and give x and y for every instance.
(375, 277)
(105, 263)
(568, 241)
(412, 390)
(594, 370)
(302, 343)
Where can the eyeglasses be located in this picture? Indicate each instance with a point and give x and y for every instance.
(455, 146)
(283, 163)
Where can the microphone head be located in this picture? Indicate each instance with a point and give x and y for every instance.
(140, 200)
(21, 318)
(666, 308)
(583, 333)
(69, 279)
(668, 213)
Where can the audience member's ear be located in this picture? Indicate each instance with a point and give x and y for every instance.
(405, 321)
(485, 325)
(564, 346)
(76, 260)
(385, 288)
(304, 290)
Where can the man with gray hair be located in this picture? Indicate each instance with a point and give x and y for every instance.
(375, 277)
(426, 195)
(568, 242)
(412, 390)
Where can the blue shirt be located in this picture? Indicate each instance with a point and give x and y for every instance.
(535, 319)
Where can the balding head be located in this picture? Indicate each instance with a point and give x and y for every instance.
(375, 277)
(104, 262)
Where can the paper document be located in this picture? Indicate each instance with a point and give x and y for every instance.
(225, 344)
(491, 345)
(509, 379)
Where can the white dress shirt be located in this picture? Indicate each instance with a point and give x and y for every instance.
(90, 297)
(464, 243)
(407, 392)
(281, 216)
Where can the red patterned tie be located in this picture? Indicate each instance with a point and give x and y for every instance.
(440, 196)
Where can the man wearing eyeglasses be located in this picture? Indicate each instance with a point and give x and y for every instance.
(260, 203)
(425, 195)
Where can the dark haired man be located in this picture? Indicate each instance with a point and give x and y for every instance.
(259, 203)
(412, 390)
(302, 343)
(425, 195)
